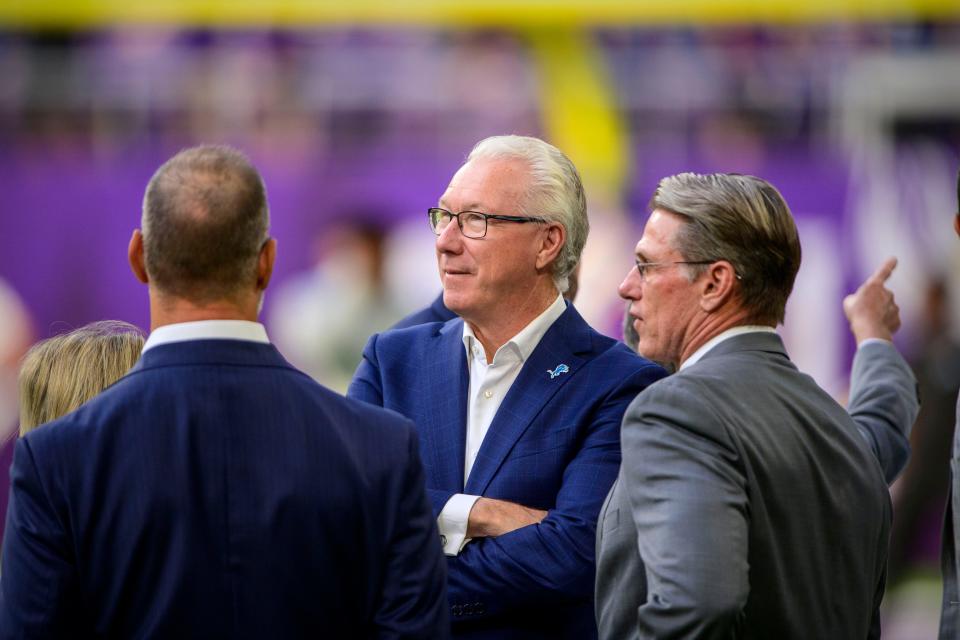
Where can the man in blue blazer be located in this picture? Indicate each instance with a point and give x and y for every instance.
(517, 401)
(215, 491)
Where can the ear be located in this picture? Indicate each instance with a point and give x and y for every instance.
(717, 286)
(956, 223)
(552, 242)
(268, 254)
(135, 257)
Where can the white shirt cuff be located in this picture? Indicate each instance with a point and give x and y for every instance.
(452, 522)
(867, 341)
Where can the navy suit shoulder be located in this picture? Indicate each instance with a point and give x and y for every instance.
(217, 491)
(398, 355)
(355, 425)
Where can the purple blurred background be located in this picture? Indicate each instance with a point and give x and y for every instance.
(858, 124)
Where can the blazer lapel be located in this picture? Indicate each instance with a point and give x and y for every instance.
(444, 429)
(540, 379)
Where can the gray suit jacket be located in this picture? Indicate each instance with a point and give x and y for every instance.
(950, 611)
(748, 505)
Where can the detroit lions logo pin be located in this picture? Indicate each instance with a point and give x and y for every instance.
(561, 368)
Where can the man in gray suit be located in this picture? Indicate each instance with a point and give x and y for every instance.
(748, 503)
(950, 611)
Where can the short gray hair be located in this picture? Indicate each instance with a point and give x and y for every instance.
(205, 219)
(743, 220)
(555, 193)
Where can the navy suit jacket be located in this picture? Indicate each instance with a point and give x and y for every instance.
(554, 444)
(217, 492)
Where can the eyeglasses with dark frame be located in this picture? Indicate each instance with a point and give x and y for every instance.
(643, 266)
(473, 224)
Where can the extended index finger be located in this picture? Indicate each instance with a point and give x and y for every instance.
(880, 275)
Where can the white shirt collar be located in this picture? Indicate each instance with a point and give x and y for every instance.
(207, 330)
(720, 337)
(527, 339)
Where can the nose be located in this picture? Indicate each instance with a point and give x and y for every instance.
(629, 289)
(450, 239)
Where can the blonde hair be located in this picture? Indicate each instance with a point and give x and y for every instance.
(61, 373)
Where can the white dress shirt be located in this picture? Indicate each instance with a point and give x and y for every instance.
(207, 330)
(489, 384)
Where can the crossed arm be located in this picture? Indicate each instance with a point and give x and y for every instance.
(551, 561)
(490, 517)
(522, 556)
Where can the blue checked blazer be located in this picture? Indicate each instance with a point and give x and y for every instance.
(554, 444)
(217, 492)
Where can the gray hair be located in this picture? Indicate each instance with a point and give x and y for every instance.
(555, 193)
(743, 220)
(205, 219)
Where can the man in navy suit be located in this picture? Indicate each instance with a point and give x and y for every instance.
(517, 401)
(215, 491)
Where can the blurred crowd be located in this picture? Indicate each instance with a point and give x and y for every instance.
(325, 91)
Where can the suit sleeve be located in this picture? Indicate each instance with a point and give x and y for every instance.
(884, 403)
(874, 632)
(688, 501)
(39, 586)
(553, 561)
(414, 602)
(367, 386)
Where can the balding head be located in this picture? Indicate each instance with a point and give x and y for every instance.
(205, 220)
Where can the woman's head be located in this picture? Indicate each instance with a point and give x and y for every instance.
(61, 373)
